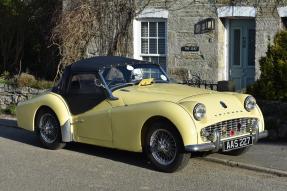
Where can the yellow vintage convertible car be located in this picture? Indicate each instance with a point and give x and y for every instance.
(129, 104)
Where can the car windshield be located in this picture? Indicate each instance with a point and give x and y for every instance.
(118, 76)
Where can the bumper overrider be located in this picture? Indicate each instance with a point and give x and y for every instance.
(217, 145)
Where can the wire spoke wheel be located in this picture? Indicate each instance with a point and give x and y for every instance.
(48, 128)
(163, 147)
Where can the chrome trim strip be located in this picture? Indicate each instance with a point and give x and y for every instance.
(256, 133)
(217, 141)
(200, 147)
(67, 132)
(110, 94)
(217, 145)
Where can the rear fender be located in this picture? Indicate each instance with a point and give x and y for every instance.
(26, 111)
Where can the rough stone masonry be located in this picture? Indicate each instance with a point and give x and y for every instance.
(13, 95)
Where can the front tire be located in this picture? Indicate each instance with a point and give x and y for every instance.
(164, 148)
(49, 130)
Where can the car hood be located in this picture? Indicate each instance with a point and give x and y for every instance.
(158, 92)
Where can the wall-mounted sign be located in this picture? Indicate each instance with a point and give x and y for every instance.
(190, 48)
(204, 26)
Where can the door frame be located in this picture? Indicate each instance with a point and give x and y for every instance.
(227, 48)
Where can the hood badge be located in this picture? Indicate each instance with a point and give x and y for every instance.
(223, 104)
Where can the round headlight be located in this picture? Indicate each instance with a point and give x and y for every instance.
(249, 103)
(199, 111)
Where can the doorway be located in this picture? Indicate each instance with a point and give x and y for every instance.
(242, 52)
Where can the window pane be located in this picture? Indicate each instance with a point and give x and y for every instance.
(236, 47)
(161, 29)
(153, 46)
(83, 80)
(152, 29)
(85, 84)
(156, 59)
(161, 46)
(144, 46)
(251, 47)
(144, 29)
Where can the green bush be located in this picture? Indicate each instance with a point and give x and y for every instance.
(10, 110)
(272, 84)
(42, 84)
(5, 78)
(25, 80)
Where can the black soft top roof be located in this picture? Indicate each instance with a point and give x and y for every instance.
(96, 63)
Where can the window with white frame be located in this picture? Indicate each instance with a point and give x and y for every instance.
(153, 41)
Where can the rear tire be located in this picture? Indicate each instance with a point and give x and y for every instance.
(164, 148)
(49, 130)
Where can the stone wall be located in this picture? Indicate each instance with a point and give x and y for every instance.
(13, 95)
(181, 22)
(275, 117)
(210, 61)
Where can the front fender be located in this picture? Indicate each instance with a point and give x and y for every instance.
(128, 122)
(26, 111)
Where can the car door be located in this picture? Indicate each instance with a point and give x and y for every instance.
(86, 98)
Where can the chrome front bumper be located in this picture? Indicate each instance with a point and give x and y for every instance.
(217, 145)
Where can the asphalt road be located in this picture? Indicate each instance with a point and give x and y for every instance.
(266, 154)
(24, 165)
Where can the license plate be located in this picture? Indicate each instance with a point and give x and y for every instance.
(237, 143)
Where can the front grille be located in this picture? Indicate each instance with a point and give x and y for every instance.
(232, 127)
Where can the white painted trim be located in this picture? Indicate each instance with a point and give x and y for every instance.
(153, 13)
(226, 49)
(152, 54)
(137, 39)
(236, 11)
(282, 11)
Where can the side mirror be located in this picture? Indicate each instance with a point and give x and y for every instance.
(98, 83)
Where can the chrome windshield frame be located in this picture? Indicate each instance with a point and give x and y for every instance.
(110, 90)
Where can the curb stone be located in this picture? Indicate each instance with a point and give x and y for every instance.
(232, 163)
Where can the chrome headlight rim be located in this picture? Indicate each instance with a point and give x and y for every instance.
(199, 111)
(249, 103)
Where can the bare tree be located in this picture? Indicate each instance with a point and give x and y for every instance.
(102, 25)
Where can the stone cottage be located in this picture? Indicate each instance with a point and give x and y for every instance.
(216, 40)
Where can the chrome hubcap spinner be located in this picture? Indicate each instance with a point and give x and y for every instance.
(48, 128)
(163, 146)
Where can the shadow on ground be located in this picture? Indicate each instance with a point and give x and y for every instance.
(17, 134)
(29, 138)
(279, 141)
(8, 122)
